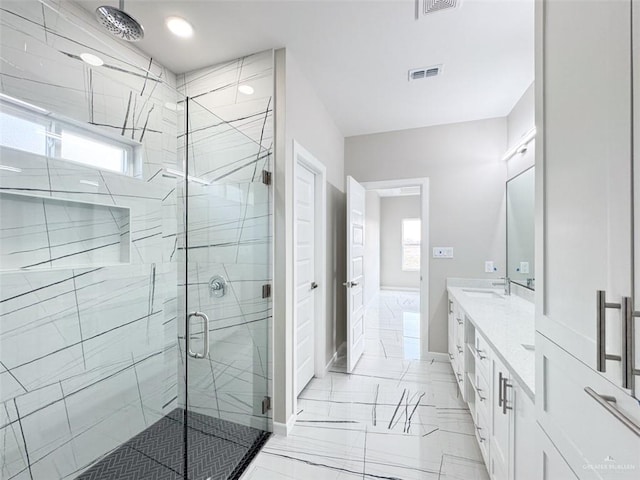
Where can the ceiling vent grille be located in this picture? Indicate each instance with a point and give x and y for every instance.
(427, 72)
(432, 6)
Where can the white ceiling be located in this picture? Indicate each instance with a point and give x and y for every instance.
(357, 53)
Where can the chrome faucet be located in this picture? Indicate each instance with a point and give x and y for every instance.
(507, 285)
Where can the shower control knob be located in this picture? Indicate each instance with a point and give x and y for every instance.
(217, 286)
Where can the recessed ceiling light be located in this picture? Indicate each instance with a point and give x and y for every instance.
(246, 89)
(179, 27)
(91, 59)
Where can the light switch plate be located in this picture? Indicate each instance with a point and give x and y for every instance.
(442, 252)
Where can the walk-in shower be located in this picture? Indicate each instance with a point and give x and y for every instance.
(135, 246)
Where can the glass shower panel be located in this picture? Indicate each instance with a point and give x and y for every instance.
(89, 355)
(228, 308)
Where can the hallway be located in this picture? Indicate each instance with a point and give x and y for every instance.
(396, 417)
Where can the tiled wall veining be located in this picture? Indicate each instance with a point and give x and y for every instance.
(89, 350)
(229, 234)
(88, 343)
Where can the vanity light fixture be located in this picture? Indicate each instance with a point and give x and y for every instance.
(179, 27)
(246, 89)
(91, 59)
(521, 147)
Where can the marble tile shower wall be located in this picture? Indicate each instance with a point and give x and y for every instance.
(88, 349)
(230, 234)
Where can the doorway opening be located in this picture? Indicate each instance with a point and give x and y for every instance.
(397, 265)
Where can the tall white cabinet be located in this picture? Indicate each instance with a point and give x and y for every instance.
(588, 118)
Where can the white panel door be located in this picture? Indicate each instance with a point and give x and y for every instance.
(304, 277)
(587, 167)
(355, 272)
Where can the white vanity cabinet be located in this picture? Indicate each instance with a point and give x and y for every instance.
(456, 344)
(513, 427)
(586, 162)
(586, 368)
(502, 410)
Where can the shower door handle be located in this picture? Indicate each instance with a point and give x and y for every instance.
(205, 322)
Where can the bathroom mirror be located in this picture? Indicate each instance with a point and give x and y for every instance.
(520, 229)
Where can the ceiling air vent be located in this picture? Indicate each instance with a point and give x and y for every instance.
(431, 6)
(420, 73)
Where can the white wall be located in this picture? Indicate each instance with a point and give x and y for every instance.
(392, 211)
(467, 179)
(307, 121)
(371, 245)
(519, 122)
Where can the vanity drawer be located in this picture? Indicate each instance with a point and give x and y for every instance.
(484, 355)
(483, 434)
(483, 396)
(580, 421)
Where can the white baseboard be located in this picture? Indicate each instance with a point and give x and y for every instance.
(400, 289)
(439, 355)
(284, 429)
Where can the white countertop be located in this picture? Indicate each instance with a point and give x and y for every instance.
(506, 322)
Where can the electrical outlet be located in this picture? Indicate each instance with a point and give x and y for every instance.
(489, 267)
(442, 252)
(524, 267)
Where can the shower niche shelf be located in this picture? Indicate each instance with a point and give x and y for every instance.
(45, 233)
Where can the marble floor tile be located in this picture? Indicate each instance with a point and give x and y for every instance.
(397, 416)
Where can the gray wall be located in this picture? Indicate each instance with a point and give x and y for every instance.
(392, 211)
(467, 177)
(371, 245)
(301, 116)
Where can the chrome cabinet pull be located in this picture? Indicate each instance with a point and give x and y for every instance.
(314, 285)
(480, 436)
(606, 401)
(205, 319)
(601, 340)
(504, 396)
(350, 284)
(450, 306)
(459, 321)
(500, 389)
(628, 358)
(460, 350)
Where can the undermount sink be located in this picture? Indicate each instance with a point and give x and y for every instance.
(478, 293)
(528, 347)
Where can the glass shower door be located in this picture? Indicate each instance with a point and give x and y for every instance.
(227, 307)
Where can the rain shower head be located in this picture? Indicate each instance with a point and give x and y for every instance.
(120, 23)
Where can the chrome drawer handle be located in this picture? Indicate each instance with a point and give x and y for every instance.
(479, 352)
(482, 399)
(480, 436)
(606, 401)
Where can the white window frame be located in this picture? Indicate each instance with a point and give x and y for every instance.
(54, 126)
(413, 244)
